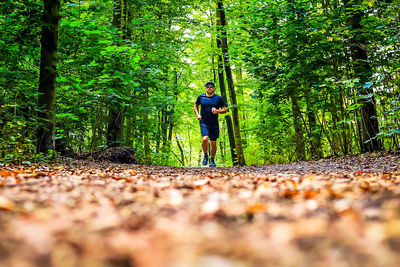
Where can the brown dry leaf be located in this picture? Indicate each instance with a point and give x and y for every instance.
(201, 182)
(330, 212)
(256, 208)
(290, 193)
(6, 173)
(6, 204)
(365, 185)
(311, 194)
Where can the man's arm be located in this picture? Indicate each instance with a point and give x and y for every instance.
(222, 110)
(196, 110)
(219, 111)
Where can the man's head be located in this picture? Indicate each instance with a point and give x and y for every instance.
(210, 88)
(210, 84)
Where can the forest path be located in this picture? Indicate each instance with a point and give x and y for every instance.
(343, 212)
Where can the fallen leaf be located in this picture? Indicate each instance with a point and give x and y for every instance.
(6, 204)
(256, 208)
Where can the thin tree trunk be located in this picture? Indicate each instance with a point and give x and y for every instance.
(96, 127)
(222, 146)
(47, 79)
(212, 55)
(335, 135)
(231, 137)
(228, 119)
(160, 131)
(190, 148)
(346, 132)
(322, 124)
(169, 117)
(146, 138)
(164, 123)
(369, 126)
(115, 131)
(239, 79)
(128, 132)
(298, 130)
(229, 79)
(130, 125)
(314, 134)
(171, 125)
(181, 150)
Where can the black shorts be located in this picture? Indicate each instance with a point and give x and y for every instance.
(211, 132)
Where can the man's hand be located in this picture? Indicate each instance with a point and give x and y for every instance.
(214, 111)
(196, 111)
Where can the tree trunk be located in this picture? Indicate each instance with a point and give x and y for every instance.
(228, 119)
(146, 134)
(239, 83)
(229, 78)
(47, 79)
(181, 150)
(298, 130)
(115, 130)
(171, 125)
(369, 126)
(222, 146)
(164, 123)
(314, 132)
(96, 126)
(346, 130)
(335, 132)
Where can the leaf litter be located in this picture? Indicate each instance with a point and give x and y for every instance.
(336, 212)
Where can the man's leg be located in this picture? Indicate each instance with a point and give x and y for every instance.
(214, 134)
(213, 152)
(213, 148)
(204, 144)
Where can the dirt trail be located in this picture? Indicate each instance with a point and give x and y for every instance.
(342, 212)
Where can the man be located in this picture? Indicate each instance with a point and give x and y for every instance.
(211, 105)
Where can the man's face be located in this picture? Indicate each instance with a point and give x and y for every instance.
(210, 89)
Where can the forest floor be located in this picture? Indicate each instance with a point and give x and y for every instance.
(337, 212)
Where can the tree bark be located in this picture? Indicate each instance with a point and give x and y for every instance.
(115, 130)
(292, 48)
(47, 79)
(346, 130)
(239, 85)
(369, 125)
(146, 133)
(171, 122)
(298, 130)
(228, 119)
(229, 79)
(335, 132)
(181, 150)
(314, 132)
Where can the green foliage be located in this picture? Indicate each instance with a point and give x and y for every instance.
(15, 146)
(287, 57)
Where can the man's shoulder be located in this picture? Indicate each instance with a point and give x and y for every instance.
(219, 97)
(202, 95)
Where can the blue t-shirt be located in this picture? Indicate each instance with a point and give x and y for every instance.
(207, 103)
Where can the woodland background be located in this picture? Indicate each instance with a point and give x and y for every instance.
(303, 79)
